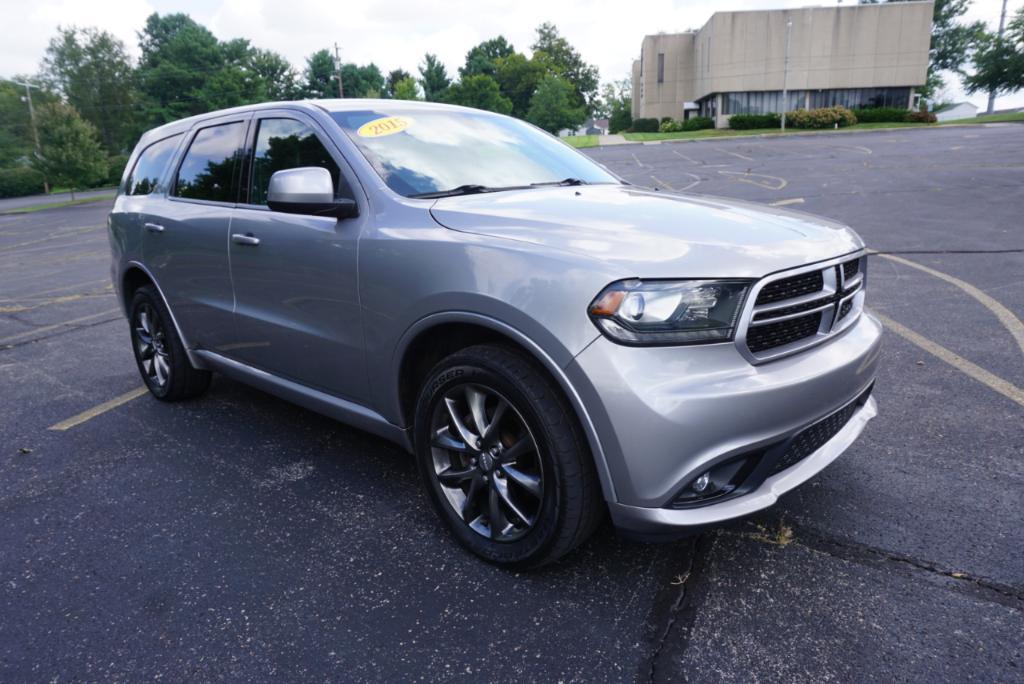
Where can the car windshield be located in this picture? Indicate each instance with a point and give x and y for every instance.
(423, 153)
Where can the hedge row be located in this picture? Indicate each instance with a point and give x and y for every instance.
(881, 115)
(20, 181)
(826, 117)
(745, 122)
(646, 125)
(694, 123)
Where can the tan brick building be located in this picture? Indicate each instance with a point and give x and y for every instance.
(853, 55)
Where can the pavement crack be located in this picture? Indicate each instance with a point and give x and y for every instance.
(980, 587)
(682, 606)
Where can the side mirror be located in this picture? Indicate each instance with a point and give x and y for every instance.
(307, 190)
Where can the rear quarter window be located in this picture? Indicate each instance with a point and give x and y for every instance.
(150, 166)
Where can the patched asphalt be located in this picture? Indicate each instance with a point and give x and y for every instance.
(237, 536)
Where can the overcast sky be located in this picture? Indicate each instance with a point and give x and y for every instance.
(396, 33)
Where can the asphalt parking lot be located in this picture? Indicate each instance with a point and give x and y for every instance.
(237, 536)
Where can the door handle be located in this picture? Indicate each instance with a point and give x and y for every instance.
(154, 228)
(247, 239)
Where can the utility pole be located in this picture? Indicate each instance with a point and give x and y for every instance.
(32, 121)
(337, 59)
(999, 39)
(785, 73)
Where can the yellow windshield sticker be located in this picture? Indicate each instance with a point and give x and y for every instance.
(388, 125)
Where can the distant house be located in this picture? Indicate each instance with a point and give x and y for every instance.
(960, 110)
(589, 127)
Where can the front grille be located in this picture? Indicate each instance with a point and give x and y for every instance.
(787, 288)
(794, 312)
(770, 335)
(814, 437)
(790, 310)
(850, 269)
(844, 309)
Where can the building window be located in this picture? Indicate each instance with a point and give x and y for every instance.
(761, 102)
(855, 98)
(661, 67)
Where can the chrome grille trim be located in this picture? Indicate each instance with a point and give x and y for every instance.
(834, 290)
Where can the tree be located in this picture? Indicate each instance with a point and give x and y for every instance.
(433, 78)
(481, 59)
(480, 92)
(562, 59)
(16, 140)
(91, 69)
(275, 74)
(518, 78)
(406, 89)
(362, 81)
(553, 106)
(952, 42)
(179, 57)
(392, 80)
(617, 104)
(70, 152)
(320, 77)
(999, 64)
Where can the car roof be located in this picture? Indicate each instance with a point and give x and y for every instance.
(333, 105)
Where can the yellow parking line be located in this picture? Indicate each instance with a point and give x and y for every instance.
(992, 381)
(662, 183)
(97, 410)
(1005, 316)
(47, 328)
(786, 202)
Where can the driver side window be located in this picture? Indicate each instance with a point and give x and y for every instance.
(289, 144)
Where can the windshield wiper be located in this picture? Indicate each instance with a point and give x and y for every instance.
(564, 181)
(468, 189)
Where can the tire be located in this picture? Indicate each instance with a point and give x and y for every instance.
(548, 499)
(159, 353)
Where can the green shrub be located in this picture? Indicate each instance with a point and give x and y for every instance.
(621, 120)
(666, 119)
(881, 114)
(826, 117)
(646, 125)
(20, 181)
(698, 123)
(921, 117)
(116, 164)
(746, 122)
(671, 126)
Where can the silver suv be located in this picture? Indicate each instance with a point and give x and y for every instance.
(550, 342)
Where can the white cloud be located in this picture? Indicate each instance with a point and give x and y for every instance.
(396, 33)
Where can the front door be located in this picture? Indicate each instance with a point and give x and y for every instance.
(296, 300)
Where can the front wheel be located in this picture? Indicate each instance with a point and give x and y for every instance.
(503, 459)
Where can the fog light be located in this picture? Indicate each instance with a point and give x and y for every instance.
(701, 483)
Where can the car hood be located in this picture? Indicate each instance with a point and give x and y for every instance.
(652, 234)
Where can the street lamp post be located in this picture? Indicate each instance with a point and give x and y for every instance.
(785, 74)
(32, 120)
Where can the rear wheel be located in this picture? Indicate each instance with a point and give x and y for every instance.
(159, 353)
(503, 458)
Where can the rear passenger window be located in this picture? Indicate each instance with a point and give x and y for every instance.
(289, 144)
(208, 170)
(150, 166)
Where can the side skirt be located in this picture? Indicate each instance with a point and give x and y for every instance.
(341, 410)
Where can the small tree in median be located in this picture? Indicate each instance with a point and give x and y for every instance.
(553, 106)
(70, 153)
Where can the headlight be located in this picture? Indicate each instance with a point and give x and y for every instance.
(667, 312)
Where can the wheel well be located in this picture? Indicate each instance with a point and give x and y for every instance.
(133, 279)
(432, 345)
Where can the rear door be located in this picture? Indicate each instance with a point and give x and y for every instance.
(297, 305)
(186, 243)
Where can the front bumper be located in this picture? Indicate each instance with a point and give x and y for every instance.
(666, 414)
